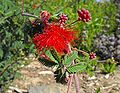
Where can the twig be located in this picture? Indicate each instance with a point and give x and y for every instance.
(27, 14)
(77, 83)
(30, 15)
(70, 83)
(80, 51)
(22, 6)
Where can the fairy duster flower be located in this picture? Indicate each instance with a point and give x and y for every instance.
(55, 37)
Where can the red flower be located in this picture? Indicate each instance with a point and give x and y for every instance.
(84, 15)
(54, 37)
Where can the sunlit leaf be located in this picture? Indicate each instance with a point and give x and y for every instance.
(48, 53)
(76, 68)
(70, 58)
(55, 55)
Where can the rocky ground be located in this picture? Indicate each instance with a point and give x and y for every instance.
(37, 78)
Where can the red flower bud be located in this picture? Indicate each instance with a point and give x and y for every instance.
(92, 55)
(62, 19)
(44, 15)
(83, 15)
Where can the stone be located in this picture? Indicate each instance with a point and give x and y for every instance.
(44, 89)
(103, 36)
(117, 58)
(111, 38)
(118, 20)
(112, 43)
(118, 47)
(118, 52)
(118, 28)
(107, 76)
(118, 36)
(92, 78)
(111, 48)
(118, 42)
(118, 15)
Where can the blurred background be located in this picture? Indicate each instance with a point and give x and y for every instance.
(101, 35)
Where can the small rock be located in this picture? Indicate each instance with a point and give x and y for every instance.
(111, 48)
(118, 28)
(118, 42)
(118, 36)
(111, 38)
(118, 15)
(92, 78)
(44, 89)
(9, 91)
(107, 76)
(111, 43)
(118, 20)
(118, 58)
(118, 47)
(118, 52)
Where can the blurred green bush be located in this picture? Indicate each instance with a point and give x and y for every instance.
(12, 41)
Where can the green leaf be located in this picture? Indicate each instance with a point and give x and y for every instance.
(107, 67)
(55, 55)
(70, 58)
(44, 60)
(77, 68)
(17, 45)
(112, 67)
(8, 14)
(49, 54)
(1, 53)
(83, 58)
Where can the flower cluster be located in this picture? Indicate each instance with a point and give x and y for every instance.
(62, 19)
(84, 15)
(54, 37)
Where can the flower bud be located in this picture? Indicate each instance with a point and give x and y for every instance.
(62, 19)
(83, 15)
(44, 15)
(92, 55)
